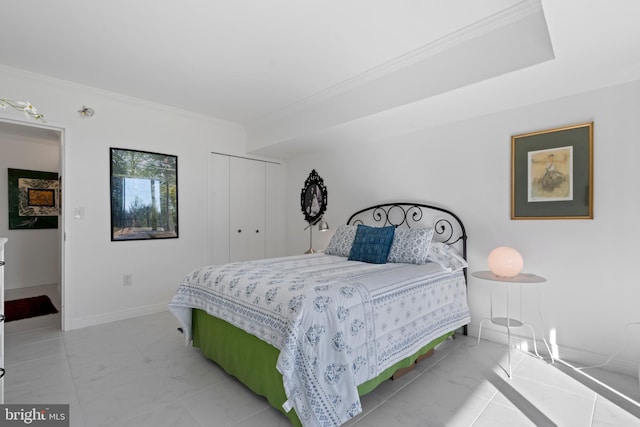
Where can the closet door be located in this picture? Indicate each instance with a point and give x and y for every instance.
(247, 209)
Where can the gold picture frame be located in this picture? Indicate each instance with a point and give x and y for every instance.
(552, 173)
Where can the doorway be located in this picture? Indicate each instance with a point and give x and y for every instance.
(34, 257)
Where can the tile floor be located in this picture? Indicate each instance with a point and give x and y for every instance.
(139, 373)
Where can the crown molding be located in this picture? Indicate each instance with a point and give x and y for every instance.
(508, 16)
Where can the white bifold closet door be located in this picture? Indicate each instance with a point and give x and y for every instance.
(247, 210)
(246, 206)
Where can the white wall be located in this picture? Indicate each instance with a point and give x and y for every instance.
(94, 264)
(33, 255)
(592, 290)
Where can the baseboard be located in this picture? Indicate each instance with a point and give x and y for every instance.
(576, 356)
(116, 316)
(21, 287)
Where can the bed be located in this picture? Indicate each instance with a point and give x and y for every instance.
(312, 333)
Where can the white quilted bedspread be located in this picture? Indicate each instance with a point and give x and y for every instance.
(337, 323)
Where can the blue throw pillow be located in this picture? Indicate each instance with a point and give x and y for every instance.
(372, 244)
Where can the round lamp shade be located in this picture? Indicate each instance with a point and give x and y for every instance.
(505, 261)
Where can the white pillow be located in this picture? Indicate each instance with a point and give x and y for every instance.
(446, 256)
(410, 245)
(341, 241)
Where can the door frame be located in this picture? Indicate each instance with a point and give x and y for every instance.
(64, 294)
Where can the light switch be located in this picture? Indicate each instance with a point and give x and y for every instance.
(78, 213)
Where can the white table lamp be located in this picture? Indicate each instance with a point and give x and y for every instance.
(505, 261)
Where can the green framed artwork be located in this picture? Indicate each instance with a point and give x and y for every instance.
(552, 173)
(34, 199)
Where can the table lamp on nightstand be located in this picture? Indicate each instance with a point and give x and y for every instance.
(505, 265)
(504, 261)
(322, 226)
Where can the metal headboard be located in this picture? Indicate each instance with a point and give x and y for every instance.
(448, 227)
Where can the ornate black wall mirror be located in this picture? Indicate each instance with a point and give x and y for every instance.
(313, 198)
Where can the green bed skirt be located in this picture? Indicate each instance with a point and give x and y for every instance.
(253, 361)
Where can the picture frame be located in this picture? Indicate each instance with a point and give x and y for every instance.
(552, 173)
(34, 199)
(144, 195)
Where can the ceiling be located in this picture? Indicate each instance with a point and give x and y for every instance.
(298, 73)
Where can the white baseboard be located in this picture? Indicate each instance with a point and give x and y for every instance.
(115, 316)
(20, 287)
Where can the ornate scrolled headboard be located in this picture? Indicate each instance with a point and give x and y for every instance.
(448, 227)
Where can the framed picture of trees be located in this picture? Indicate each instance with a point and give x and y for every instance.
(144, 195)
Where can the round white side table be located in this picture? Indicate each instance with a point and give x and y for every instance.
(509, 322)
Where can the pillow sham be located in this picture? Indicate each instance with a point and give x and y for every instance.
(372, 244)
(341, 241)
(446, 256)
(410, 245)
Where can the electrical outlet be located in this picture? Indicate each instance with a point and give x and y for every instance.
(127, 280)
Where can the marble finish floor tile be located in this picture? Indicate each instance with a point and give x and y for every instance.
(139, 372)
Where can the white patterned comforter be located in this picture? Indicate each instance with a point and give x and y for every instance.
(337, 323)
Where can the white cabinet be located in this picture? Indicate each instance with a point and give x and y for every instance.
(246, 209)
(3, 240)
